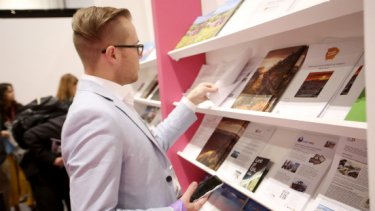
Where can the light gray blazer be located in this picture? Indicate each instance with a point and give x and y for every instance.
(113, 160)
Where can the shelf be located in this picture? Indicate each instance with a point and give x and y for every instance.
(235, 186)
(293, 20)
(148, 63)
(147, 102)
(319, 125)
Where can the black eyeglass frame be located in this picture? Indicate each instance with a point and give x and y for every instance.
(139, 48)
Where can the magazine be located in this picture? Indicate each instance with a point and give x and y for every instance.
(231, 74)
(252, 205)
(221, 142)
(250, 144)
(292, 182)
(149, 114)
(265, 84)
(326, 67)
(205, 130)
(242, 80)
(340, 104)
(346, 184)
(144, 86)
(224, 198)
(207, 26)
(257, 170)
(150, 88)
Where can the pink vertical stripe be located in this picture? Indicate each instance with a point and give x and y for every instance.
(171, 20)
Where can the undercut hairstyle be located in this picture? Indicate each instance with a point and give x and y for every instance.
(89, 26)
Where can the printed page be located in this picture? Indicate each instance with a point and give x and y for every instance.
(323, 203)
(300, 171)
(250, 144)
(256, 172)
(207, 73)
(229, 73)
(201, 136)
(339, 106)
(221, 142)
(242, 80)
(207, 26)
(268, 81)
(271, 9)
(224, 199)
(144, 84)
(326, 67)
(347, 180)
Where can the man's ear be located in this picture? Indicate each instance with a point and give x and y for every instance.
(110, 53)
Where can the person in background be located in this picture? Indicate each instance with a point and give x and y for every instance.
(113, 160)
(43, 164)
(4, 182)
(67, 88)
(19, 188)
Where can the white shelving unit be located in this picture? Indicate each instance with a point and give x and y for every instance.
(308, 22)
(147, 102)
(150, 62)
(303, 16)
(235, 186)
(148, 70)
(340, 128)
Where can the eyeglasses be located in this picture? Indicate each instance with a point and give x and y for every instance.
(139, 48)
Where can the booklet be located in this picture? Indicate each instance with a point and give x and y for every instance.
(257, 170)
(201, 136)
(326, 67)
(294, 180)
(230, 76)
(346, 184)
(269, 80)
(207, 26)
(221, 142)
(225, 198)
(340, 104)
(250, 144)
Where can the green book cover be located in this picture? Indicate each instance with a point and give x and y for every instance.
(358, 110)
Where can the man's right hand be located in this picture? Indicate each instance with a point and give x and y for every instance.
(195, 205)
(199, 93)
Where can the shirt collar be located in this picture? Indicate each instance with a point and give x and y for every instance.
(122, 93)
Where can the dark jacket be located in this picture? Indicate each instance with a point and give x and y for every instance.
(3, 154)
(40, 158)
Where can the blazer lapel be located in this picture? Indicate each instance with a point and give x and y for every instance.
(132, 115)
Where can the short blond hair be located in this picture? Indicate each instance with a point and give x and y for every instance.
(89, 25)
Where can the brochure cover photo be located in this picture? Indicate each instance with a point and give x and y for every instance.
(221, 142)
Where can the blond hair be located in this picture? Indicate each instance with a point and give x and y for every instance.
(90, 25)
(67, 88)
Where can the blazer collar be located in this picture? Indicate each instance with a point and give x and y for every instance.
(87, 85)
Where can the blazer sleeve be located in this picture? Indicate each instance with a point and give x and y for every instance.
(171, 128)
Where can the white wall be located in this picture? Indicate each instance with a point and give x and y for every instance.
(35, 52)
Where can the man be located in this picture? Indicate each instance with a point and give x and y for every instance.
(113, 160)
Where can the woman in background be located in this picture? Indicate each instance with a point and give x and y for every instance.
(67, 88)
(19, 188)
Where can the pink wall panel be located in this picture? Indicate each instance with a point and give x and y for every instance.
(171, 21)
